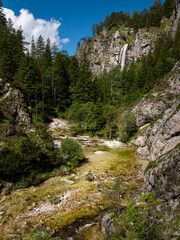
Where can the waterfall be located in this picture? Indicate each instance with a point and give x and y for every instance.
(122, 57)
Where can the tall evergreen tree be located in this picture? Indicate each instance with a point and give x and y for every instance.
(61, 82)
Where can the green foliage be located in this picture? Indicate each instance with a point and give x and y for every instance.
(168, 8)
(112, 196)
(54, 200)
(127, 126)
(38, 234)
(79, 113)
(138, 214)
(147, 18)
(23, 156)
(139, 220)
(70, 153)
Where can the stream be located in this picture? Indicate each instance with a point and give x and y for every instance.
(71, 205)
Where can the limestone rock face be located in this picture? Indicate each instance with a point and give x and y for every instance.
(104, 51)
(163, 177)
(152, 106)
(13, 103)
(142, 43)
(177, 16)
(163, 136)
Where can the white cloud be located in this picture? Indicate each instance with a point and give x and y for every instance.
(65, 40)
(35, 27)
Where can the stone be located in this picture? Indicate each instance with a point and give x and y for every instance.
(89, 177)
(2, 213)
(107, 224)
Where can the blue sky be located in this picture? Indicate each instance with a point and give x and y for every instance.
(76, 17)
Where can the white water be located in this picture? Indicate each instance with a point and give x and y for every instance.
(113, 144)
(122, 57)
(86, 226)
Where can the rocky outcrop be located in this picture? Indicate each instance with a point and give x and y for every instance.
(12, 102)
(161, 137)
(142, 43)
(177, 16)
(163, 176)
(159, 99)
(104, 51)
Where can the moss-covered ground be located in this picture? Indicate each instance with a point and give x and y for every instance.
(64, 200)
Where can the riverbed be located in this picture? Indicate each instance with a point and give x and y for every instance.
(73, 205)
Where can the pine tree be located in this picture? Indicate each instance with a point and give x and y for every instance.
(168, 8)
(2, 17)
(40, 47)
(61, 82)
(33, 48)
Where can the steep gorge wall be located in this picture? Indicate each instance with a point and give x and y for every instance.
(159, 141)
(104, 51)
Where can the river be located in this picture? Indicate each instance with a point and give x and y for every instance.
(71, 205)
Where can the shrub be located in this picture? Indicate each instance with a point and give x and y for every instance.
(70, 153)
(139, 220)
(23, 155)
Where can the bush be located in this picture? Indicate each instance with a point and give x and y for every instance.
(22, 156)
(127, 126)
(139, 220)
(70, 153)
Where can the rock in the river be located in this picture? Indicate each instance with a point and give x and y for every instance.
(89, 177)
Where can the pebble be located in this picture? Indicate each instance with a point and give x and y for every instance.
(2, 213)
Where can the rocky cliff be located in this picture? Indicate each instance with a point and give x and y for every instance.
(13, 105)
(159, 140)
(177, 16)
(160, 109)
(163, 175)
(162, 136)
(104, 51)
(160, 98)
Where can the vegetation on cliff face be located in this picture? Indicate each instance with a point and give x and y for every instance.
(147, 18)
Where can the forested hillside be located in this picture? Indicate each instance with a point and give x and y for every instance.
(147, 18)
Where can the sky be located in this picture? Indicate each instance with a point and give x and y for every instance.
(64, 21)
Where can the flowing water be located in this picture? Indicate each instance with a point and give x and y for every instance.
(122, 58)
